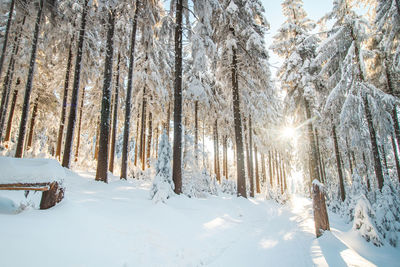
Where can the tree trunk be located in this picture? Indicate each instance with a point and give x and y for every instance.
(9, 78)
(5, 38)
(396, 156)
(125, 144)
(338, 163)
(168, 118)
(280, 166)
(28, 89)
(258, 189)
(225, 156)
(64, 103)
(384, 159)
(284, 176)
(177, 150)
(251, 168)
(96, 148)
(319, 207)
(78, 142)
(349, 156)
(374, 143)
(216, 152)
(11, 113)
(75, 91)
(32, 126)
(196, 131)
(102, 162)
(149, 137)
(270, 166)
(321, 174)
(115, 118)
(263, 170)
(136, 139)
(142, 147)
(277, 173)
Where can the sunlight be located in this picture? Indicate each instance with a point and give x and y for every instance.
(289, 132)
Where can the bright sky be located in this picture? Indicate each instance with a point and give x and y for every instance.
(273, 12)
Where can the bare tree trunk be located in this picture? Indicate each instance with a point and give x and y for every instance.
(127, 123)
(277, 173)
(28, 89)
(177, 149)
(349, 156)
(241, 178)
(9, 78)
(396, 156)
(196, 131)
(258, 189)
(33, 120)
(64, 103)
(136, 139)
(284, 176)
(319, 206)
(149, 137)
(270, 166)
(142, 149)
(216, 152)
(115, 118)
(225, 156)
(11, 113)
(338, 163)
(96, 148)
(263, 170)
(5, 38)
(251, 170)
(168, 118)
(102, 162)
(75, 91)
(78, 142)
(374, 143)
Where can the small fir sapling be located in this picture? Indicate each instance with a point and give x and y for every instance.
(163, 186)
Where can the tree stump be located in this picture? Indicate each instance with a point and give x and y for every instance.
(51, 197)
(320, 213)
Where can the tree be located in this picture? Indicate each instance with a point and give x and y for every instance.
(124, 164)
(75, 90)
(163, 185)
(29, 81)
(177, 149)
(102, 162)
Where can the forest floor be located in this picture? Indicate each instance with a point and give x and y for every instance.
(116, 224)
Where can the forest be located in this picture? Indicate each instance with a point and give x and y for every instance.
(177, 102)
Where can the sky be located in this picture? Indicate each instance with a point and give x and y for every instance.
(273, 13)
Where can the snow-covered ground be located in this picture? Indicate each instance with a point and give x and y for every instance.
(116, 224)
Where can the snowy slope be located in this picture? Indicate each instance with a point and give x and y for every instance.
(116, 224)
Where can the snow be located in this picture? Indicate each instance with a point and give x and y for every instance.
(116, 224)
(15, 170)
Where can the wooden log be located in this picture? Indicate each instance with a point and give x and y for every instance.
(52, 196)
(42, 188)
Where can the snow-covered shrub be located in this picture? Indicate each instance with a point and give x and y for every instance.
(228, 187)
(387, 214)
(364, 221)
(163, 186)
(196, 183)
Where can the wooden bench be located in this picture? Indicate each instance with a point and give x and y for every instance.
(52, 192)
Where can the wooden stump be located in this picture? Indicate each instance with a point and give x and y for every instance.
(51, 197)
(320, 213)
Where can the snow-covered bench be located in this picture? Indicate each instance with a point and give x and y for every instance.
(43, 175)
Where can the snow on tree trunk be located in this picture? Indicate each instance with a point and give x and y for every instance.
(319, 208)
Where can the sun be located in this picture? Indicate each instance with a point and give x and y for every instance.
(289, 132)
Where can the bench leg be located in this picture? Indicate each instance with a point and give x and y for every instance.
(52, 196)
